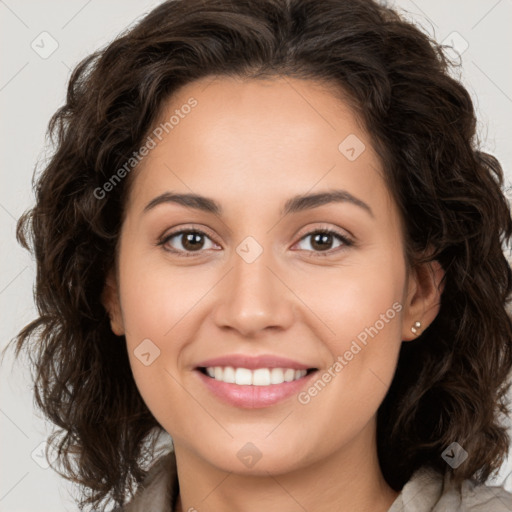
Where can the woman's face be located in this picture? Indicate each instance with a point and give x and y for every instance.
(258, 284)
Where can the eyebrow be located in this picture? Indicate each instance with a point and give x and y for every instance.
(293, 205)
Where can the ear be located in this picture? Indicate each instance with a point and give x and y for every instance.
(111, 302)
(423, 301)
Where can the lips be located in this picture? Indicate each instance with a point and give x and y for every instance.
(254, 362)
(253, 382)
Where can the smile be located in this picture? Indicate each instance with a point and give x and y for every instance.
(257, 377)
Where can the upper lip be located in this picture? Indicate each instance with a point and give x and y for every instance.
(254, 362)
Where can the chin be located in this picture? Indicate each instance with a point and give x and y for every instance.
(257, 458)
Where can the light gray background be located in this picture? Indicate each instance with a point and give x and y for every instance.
(32, 88)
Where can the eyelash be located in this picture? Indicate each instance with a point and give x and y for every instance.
(187, 254)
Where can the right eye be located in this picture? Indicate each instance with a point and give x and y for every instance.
(185, 242)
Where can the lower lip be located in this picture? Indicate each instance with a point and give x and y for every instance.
(253, 397)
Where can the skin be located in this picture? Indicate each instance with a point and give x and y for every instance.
(251, 145)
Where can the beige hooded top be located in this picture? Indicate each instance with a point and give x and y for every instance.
(426, 491)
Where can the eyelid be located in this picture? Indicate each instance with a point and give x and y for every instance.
(346, 239)
(195, 228)
(342, 233)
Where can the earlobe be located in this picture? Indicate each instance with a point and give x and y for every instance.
(423, 300)
(110, 301)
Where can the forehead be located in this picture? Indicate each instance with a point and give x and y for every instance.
(283, 114)
(257, 137)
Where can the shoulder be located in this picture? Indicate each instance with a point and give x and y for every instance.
(484, 498)
(158, 490)
(430, 491)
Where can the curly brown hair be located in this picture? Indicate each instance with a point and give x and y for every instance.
(450, 385)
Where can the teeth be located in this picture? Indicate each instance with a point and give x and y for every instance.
(243, 376)
(289, 375)
(228, 375)
(258, 377)
(276, 376)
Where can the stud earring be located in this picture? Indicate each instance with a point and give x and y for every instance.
(415, 327)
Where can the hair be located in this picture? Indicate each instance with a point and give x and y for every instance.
(450, 384)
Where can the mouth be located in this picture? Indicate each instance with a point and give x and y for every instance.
(257, 377)
(253, 388)
(253, 381)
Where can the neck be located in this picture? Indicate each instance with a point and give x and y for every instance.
(348, 479)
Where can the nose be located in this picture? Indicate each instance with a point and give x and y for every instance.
(254, 298)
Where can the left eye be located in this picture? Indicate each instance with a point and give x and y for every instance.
(325, 237)
(193, 241)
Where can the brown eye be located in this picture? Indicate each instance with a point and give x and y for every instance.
(322, 240)
(186, 241)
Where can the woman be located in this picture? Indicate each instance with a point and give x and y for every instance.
(268, 232)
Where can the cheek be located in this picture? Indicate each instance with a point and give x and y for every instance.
(156, 297)
(361, 312)
(158, 307)
(351, 299)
